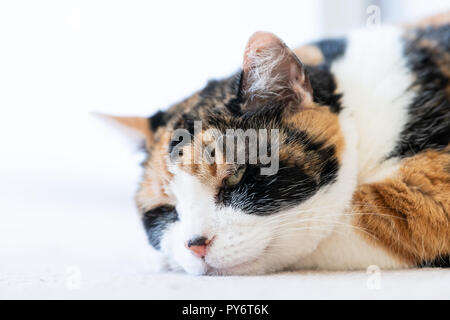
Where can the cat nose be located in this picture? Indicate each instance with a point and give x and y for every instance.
(198, 246)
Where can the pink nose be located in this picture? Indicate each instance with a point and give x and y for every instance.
(198, 246)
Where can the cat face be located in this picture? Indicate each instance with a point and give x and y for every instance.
(248, 175)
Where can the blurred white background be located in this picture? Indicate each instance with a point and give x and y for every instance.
(66, 179)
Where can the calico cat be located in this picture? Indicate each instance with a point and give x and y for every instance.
(363, 150)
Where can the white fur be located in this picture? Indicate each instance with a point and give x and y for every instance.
(375, 81)
(347, 248)
(237, 236)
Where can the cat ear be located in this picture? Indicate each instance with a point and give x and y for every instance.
(272, 73)
(136, 128)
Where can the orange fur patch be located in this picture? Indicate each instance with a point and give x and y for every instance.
(322, 125)
(152, 190)
(409, 214)
(211, 174)
(310, 55)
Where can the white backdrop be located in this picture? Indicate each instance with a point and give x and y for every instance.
(66, 180)
(60, 60)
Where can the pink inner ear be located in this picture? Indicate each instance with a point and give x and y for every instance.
(258, 42)
(273, 71)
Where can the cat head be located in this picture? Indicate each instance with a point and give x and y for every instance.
(248, 175)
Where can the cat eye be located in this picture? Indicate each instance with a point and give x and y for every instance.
(234, 179)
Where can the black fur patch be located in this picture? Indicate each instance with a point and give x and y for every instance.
(291, 185)
(156, 221)
(324, 87)
(429, 114)
(235, 104)
(321, 79)
(332, 49)
(441, 262)
(159, 119)
(187, 122)
(220, 98)
(265, 195)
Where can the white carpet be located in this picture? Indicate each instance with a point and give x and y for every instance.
(70, 250)
(104, 284)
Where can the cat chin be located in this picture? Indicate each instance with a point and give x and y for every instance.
(185, 262)
(158, 262)
(267, 262)
(177, 259)
(254, 266)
